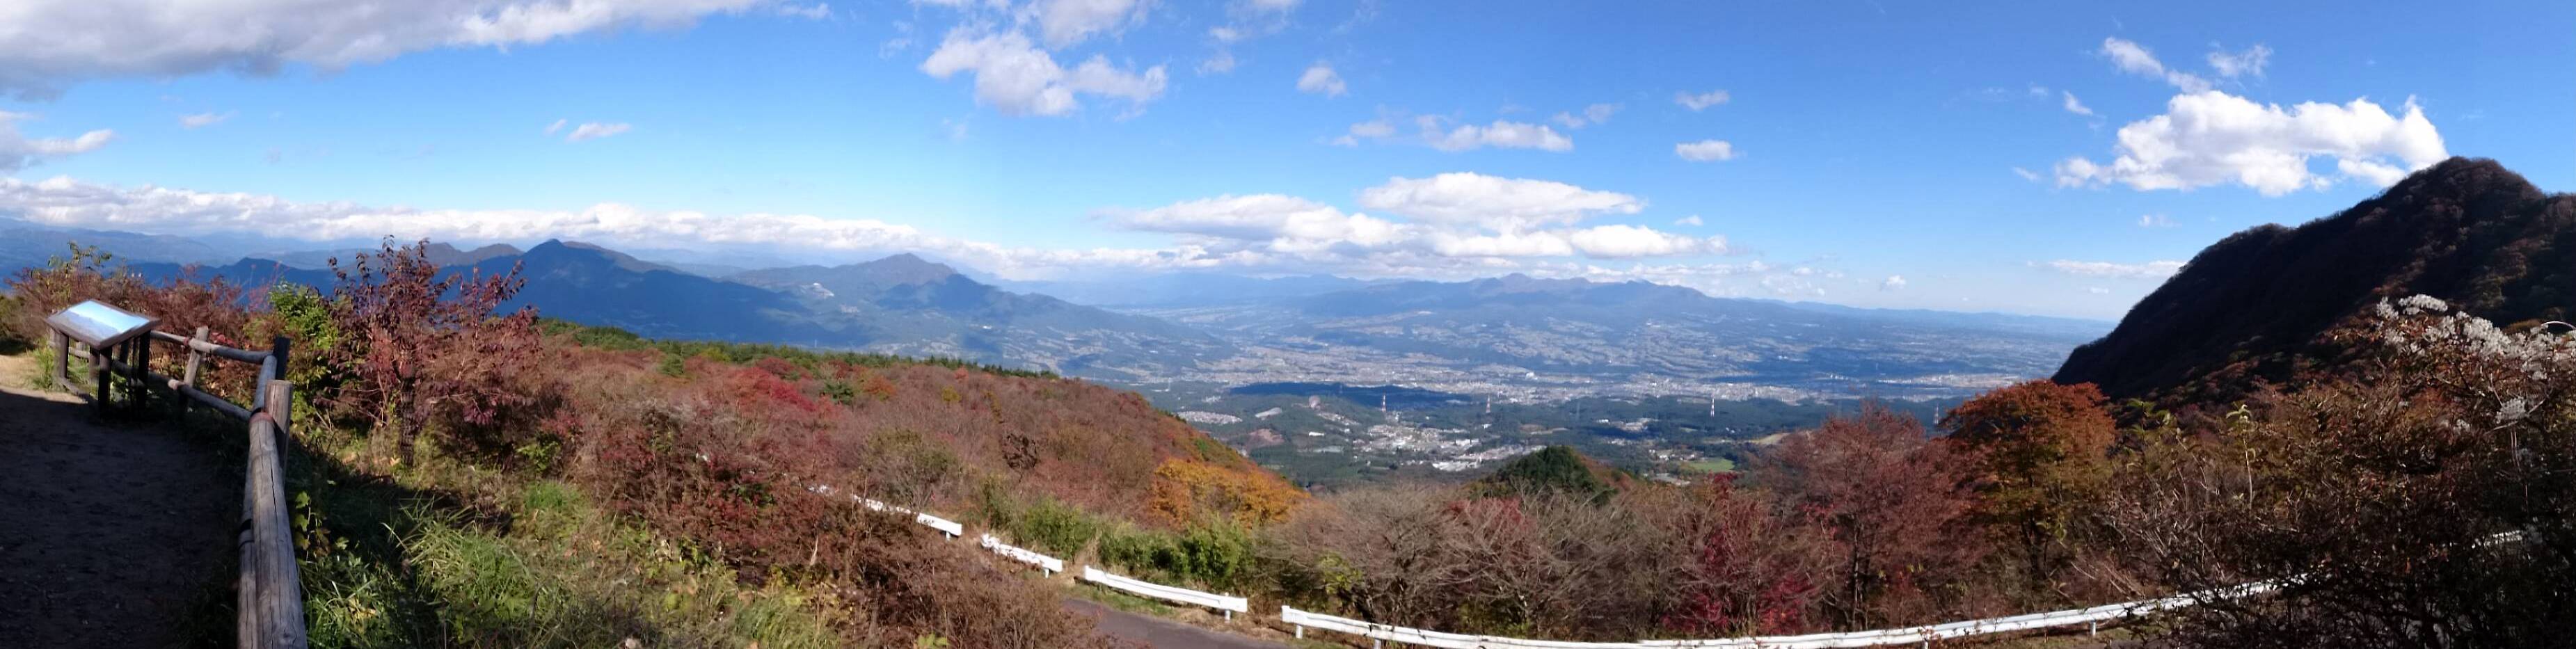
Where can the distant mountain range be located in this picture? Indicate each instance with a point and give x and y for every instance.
(2258, 307)
(1513, 336)
(1524, 336)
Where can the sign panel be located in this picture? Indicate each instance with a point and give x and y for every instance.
(98, 325)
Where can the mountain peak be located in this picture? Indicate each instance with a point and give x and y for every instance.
(559, 247)
(907, 268)
(2260, 306)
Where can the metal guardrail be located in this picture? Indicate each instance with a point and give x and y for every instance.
(1227, 603)
(269, 593)
(1050, 565)
(2091, 617)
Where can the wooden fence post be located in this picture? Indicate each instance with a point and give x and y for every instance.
(98, 360)
(271, 602)
(62, 369)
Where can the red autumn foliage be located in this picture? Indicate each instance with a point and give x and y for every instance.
(417, 347)
(1895, 500)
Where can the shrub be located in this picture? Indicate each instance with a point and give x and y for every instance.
(418, 346)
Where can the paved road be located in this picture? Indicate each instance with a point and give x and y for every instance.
(1161, 633)
(110, 535)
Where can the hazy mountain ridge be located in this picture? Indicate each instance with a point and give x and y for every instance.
(2258, 307)
(1516, 336)
(1526, 337)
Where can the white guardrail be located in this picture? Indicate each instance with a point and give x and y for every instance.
(1049, 564)
(2091, 617)
(1231, 605)
(945, 526)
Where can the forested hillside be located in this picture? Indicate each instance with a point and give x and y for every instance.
(461, 450)
(2265, 304)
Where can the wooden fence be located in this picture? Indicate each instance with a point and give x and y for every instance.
(269, 594)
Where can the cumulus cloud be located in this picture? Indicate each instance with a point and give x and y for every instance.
(1017, 78)
(2114, 270)
(1501, 134)
(2248, 62)
(2136, 59)
(18, 151)
(1446, 220)
(1289, 223)
(1503, 204)
(2210, 138)
(203, 119)
(1702, 101)
(1246, 233)
(818, 11)
(1705, 150)
(1066, 22)
(1692, 220)
(2154, 221)
(1321, 80)
(2077, 107)
(50, 44)
(161, 210)
(1630, 241)
(1591, 115)
(2026, 174)
(595, 130)
(1892, 282)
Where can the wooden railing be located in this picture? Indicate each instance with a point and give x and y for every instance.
(269, 594)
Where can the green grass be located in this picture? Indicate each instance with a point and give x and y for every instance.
(1122, 601)
(40, 375)
(1712, 465)
(450, 555)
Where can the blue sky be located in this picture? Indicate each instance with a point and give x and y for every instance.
(1874, 153)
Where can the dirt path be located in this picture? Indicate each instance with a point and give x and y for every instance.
(1160, 633)
(110, 534)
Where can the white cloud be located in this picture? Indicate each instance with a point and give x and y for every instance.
(2097, 290)
(2154, 221)
(2115, 270)
(1275, 6)
(1017, 78)
(1592, 115)
(1451, 217)
(49, 44)
(1443, 133)
(2136, 59)
(818, 11)
(2248, 62)
(1254, 233)
(1320, 79)
(2077, 107)
(160, 210)
(1219, 63)
(1692, 220)
(557, 126)
(2210, 138)
(17, 151)
(1630, 241)
(1500, 204)
(1705, 150)
(1289, 223)
(595, 130)
(203, 119)
(1702, 101)
(1501, 134)
(1063, 23)
(2026, 174)
(1892, 282)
